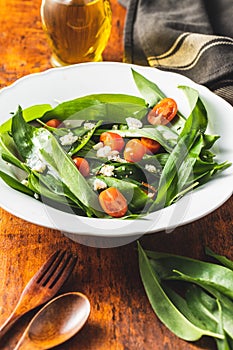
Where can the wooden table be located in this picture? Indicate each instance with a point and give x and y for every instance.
(121, 317)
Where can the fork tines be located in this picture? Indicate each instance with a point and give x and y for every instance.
(57, 269)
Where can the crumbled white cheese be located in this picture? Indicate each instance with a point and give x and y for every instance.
(36, 164)
(88, 125)
(114, 155)
(150, 195)
(68, 139)
(36, 195)
(104, 152)
(116, 158)
(98, 146)
(151, 168)
(115, 127)
(99, 185)
(107, 170)
(133, 123)
(24, 182)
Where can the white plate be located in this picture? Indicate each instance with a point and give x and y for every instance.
(60, 84)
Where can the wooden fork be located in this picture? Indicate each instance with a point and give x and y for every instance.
(42, 286)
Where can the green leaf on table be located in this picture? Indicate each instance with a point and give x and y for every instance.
(206, 308)
(222, 259)
(176, 267)
(162, 305)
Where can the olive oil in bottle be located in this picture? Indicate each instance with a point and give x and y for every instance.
(77, 30)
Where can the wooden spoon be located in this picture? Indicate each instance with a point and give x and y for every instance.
(56, 322)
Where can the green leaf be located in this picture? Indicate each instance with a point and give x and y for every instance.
(29, 114)
(84, 140)
(137, 199)
(8, 152)
(22, 134)
(222, 344)
(191, 94)
(162, 305)
(171, 266)
(149, 90)
(98, 107)
(167, 137)
(179, 165)
(65, 169)
(203, 306)
(222, 259)
(15, 184)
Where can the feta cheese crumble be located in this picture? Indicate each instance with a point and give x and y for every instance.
(36, 164)
(88, 125)
(151, 168)
(107, 170)
(133, 123)
(98, 146)
(103, 152)
(68, 139)
(99, 185)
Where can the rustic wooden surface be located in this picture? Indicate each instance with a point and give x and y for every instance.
(121, 317)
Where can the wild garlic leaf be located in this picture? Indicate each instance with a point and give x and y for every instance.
(137, 199)
(221, 258)
(98, 107)
(206, 308)
(65, 169)
(149, 90)
(167, 137)
(16, 184)
(170, 266)
(29, 114)
(165, 310)
(22, 134)
(174, 174)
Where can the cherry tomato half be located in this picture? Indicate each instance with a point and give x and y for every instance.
(113, 202)
(113, 140)
(134, 151)
(82, 165)
(163, 112)
(53, 123)
(152, 146)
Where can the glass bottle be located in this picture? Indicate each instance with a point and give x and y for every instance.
(77, 30)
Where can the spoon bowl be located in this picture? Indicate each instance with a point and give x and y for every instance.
(59, 320)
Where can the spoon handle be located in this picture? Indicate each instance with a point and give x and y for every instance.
(25, 343)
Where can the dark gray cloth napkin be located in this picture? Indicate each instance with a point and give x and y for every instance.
(190, 37)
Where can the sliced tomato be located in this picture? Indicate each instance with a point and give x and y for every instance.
(113, 202)
(82, 165)
(112, 140)
(163, 112)
(152, 146)
(134, 151)
(54, 123)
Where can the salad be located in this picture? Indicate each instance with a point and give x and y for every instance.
(110, 155)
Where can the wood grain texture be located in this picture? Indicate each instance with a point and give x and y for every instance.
(121, 317)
